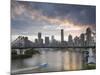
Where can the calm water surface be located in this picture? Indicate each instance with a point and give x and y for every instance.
(57, 60)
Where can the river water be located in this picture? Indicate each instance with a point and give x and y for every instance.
(56, 60)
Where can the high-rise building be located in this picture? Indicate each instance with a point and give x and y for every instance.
(76, 41)
(70, 40)
(88, 36)
(52, 38)
(82, 39)
(62, 35)
(40, 40)
(36, 41)
(53, 41)
(46, 40)
(39, 35)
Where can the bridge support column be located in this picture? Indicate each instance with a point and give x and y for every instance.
(23, 52)
(91, 58)
(20, 51)
(17, 50)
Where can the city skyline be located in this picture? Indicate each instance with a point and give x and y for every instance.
(85, 39)
(62, 36)
(29, 18)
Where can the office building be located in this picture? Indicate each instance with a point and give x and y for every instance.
(40, 40)
(46, 40)
(39, 35)
(36, 41)
(62, 35)
(70, 40)
(82, 39)
(88, 36)
(76, 41)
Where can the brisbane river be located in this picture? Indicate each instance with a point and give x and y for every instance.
(56, 60)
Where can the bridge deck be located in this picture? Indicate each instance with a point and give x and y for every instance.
(54, 47)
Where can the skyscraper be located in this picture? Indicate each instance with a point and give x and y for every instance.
(70, 40)
(46, 40)
(76, 41)
(82, 39)
(52, 38)
(88, 36)
(62, 35)
(39, 35)
(36, 41)
(40, 40)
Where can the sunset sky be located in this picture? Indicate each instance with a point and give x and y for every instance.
(29, 18)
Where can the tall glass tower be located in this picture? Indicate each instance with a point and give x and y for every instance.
(62, 35)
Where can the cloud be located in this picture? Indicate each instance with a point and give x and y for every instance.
(31, 17)
(78, 13)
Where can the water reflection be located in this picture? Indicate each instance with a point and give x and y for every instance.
(57, 60)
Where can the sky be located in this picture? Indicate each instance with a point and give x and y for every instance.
(29, 18)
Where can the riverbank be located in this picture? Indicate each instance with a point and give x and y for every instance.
(27, 54)
(89, 66)
(20, 56)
